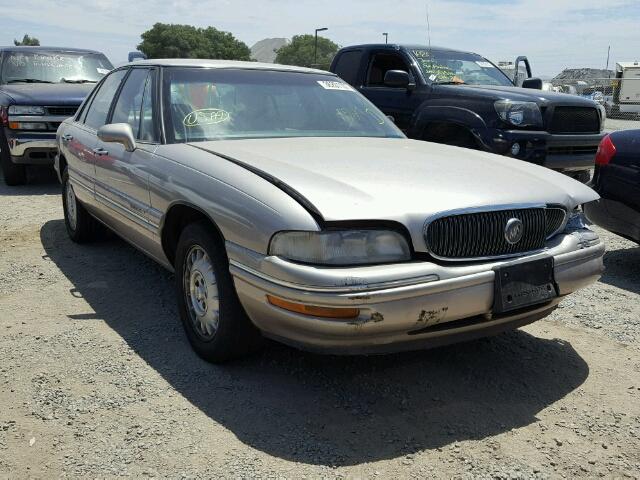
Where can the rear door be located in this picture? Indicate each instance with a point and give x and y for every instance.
(79, 138)
(398, 102)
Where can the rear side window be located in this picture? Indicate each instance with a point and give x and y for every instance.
(347, 66)
(129, 105)
(99, 108)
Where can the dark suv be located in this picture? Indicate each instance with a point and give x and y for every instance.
(461, 98)
(39, 88)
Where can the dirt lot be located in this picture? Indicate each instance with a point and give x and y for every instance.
(97, 380)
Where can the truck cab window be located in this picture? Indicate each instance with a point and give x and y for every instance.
(347, 66)
(380, 64)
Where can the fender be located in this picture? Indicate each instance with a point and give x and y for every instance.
(457, 115)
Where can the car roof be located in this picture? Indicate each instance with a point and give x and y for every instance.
(13, 48)
(398, 46)
(192, 62)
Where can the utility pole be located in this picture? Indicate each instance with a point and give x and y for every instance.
(315, 50)
(607, 67)
(386, 37)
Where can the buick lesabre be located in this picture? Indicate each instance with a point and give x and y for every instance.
(290, 207)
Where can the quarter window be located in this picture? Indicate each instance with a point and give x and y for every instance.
(99, 108)
(129, 105)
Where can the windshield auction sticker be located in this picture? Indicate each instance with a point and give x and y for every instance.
(328, 85)
(205, 116)
(484, 64)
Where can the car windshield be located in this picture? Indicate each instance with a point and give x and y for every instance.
(448, 67)
(53, 67)
(217, 104)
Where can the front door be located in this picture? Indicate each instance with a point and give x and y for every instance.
(397, 102)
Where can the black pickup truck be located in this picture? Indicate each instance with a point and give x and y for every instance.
(461, 98)
(39, 88)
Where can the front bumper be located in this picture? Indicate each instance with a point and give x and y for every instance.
(29, 148)
(402, 307)
(558, 152)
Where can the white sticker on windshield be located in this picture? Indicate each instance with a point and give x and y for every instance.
(485, 64)
(432, 77)
(103, 71)
(328, 85)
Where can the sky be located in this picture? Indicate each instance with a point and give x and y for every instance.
(554, 34)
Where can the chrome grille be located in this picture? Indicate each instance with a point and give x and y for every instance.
(62, 111)
(482, 234)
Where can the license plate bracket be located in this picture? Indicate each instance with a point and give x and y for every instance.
(523, 284)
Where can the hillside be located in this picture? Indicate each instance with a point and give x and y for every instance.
(265, 50)
(589, 75)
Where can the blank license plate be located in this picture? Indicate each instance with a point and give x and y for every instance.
(523, 284)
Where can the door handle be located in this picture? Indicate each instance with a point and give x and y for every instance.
(100, 151)
(67, 137)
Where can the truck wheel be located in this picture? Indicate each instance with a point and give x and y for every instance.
(13, 174)
(81, 226)
(213, 318)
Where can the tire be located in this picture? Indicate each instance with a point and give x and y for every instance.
(216, 325)
(13, 174)
(81, 226)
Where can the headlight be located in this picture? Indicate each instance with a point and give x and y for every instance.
(25, 110)
(27, 126)
(519, 114)
(341, 247)
(578, 225)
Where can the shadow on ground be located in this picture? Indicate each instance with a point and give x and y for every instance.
(40, 181)
(623, 269)
(319, 409)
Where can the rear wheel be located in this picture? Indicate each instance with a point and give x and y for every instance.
(213, 318)
(81, 226)
(13, 174)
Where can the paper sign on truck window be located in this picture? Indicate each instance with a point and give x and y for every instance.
(329, 85)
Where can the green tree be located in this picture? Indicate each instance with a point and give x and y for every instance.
(27, 41)
(186, 41)
(301, 52)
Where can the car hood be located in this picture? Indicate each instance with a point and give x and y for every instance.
(541, 97)
(398, 179)
(47, 93)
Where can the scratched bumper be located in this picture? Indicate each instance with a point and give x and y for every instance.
(402, 307)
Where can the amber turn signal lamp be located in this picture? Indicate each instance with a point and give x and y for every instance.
(315, 311)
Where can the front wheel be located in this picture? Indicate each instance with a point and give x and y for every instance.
(13, 174)
(213, 318)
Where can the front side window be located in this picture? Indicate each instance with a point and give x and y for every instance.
(128, 108)
(215, 104)
(381, 64)
(53, 67)
(99, 108)
(450, 67)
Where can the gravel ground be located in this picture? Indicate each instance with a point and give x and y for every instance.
(97, 380)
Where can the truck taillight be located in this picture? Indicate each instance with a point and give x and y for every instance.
(4, 116)
(606, 151)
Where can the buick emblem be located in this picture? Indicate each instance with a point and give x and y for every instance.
(513, 231)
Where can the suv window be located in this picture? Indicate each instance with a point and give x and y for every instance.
(347, 66)
(381, 64)
(129, 105)
(99, 108)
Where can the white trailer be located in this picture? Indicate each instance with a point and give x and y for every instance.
(627, 93)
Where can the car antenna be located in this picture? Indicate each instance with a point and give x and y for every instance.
(428, 28)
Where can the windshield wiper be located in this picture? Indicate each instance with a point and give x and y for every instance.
(78, 80)
(28, 80)
(450, 83)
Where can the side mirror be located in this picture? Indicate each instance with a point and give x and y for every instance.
(118, 133)
(534, 83)
(397, 79)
